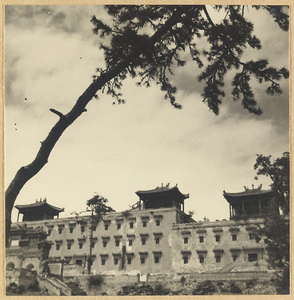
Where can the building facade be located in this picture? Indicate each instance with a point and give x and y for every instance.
(156, 236)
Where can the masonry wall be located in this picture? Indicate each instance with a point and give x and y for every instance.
(161, 244)
(223, 246)
(23, 257)
(112, 253)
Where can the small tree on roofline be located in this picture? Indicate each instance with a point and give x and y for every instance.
(99, 208)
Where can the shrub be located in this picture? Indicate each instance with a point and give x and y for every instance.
(34, 287)
(95, 281)
(183, 279)
(75, 289)
(145, 289)
(250, 284)
(204, 288)
(234, 288)
(15, 289)
(220, 283)
(160, 290)
(282, 282)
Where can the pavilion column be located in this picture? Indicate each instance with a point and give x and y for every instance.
(243, 208)
(230, 211)
(18, 217)
(183, 206)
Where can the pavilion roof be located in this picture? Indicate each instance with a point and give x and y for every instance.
(248, 193)
(39, 205)
(160, 191)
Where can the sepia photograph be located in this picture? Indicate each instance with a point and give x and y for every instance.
(147, 150)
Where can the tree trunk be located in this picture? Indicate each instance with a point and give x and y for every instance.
(25, 173)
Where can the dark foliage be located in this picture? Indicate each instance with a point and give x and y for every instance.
(135, 33)
(250, 284)
(34, 287)
(279, 172)
(76, 290)
(95, 281)
(183, 280)
(276, 230)
(204, 288)
(13, 288)
(282, 281)
(99, 205)
(234, 288)
(145, 289)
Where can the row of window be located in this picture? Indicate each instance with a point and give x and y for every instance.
(106, 240)
(129, 261)
(157, 257)
(218, 238)
(218, 257)
(106, 226)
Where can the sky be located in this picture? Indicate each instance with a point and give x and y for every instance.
(115, 150)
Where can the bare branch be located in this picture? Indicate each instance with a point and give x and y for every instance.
(208, 16)
(58, 113)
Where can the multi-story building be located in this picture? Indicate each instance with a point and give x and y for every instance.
(156, 236)
(227, 244)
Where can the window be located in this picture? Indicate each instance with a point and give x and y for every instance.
(60, 231)
(157, 222)
(70, 229)
(218, 258)
(49, 231)
(82, 229)
(106, 226)
(186, 259)
(68, 246)
(104, 244)
(235, 257)
(217, 238)
(142, 259)
(79, 262)
(201, 259)
(156, 259)
(144, 223)
(129, 260)
(201, 239)
(143, 241)
(103, 260)
(92, 245)
(157, 239)
(117, 243)
(14, 243)
(118, 226)
(94, 227)
(234, 237)
(57, 246)
(186, 239)
(251, 236)
(116, 261)
(131, 224)
(130, 242)
(252, 257)
(81, 245)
